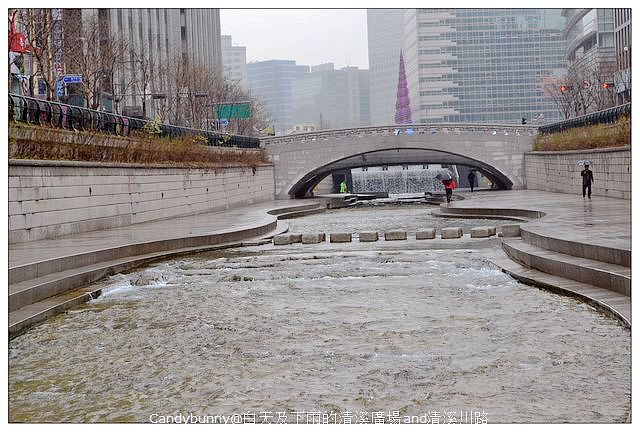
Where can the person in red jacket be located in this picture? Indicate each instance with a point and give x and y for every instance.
(449, 185)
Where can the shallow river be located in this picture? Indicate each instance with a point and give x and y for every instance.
(334, 329)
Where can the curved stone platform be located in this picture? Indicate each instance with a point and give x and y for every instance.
(566, 242)
(45, 275)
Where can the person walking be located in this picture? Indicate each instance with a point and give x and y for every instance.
(472, 179)
(587, 179)
(449, 185)
(343, 186)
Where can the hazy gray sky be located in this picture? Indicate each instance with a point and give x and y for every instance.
(308, 36)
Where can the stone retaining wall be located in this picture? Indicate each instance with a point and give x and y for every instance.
(48, 199)
(559, 171)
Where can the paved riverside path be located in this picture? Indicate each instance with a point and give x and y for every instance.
(598, 221)
(185, 226)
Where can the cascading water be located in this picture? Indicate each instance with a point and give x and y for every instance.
(398, 181)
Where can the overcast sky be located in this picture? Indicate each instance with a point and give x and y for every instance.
(308, 36)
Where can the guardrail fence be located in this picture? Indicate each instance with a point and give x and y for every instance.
(59, 115)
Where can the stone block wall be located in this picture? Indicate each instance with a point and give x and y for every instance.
(48, 199)
(559, 171)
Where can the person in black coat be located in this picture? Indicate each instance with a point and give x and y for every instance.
(472, 179)
(587, 179)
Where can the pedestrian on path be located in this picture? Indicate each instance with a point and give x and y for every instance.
(587, 179)
(449, 185)
(343, 187)
(472, 179)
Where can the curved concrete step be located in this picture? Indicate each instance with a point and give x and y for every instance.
(612, 303)
(300, 213)
(610, 255)
(487, 212)
(605, 275)
(439, 213)
(42, 268)
(34, 300)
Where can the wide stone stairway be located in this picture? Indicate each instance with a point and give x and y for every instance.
(566, 245)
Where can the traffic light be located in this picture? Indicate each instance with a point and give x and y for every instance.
(563, 89)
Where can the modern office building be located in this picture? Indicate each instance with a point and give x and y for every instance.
(332, 99)
(272, 82)
(385, 34)
(160, 36)
(168, 35)
(622, 76)
(590, 42)
(234, 62)
(481, 65)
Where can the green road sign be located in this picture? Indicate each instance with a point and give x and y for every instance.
(234, 110)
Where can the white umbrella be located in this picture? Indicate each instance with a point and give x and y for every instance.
(585, 162)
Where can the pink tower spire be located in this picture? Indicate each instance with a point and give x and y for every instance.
(403, 110)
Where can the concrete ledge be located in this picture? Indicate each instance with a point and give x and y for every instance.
(487, 212)
(615, 306)
(313, 238)
(585, 250)
(340, 237)
(510, 230)
(368, 236)
(395, 235)
(451, 232)
(604, 275)
(20, 319)
(483, 231)
(426, 234)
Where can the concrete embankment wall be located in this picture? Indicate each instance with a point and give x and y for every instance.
(559, 171)
(48, 199)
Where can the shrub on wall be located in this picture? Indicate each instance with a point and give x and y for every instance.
(48, 144)
(589, 137)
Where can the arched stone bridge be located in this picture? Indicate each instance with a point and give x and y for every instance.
(301, 161)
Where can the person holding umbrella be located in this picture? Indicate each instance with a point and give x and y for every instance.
(448, 183)
(587, 179)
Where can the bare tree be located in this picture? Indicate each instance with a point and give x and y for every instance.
(582, 92)
(37, 25)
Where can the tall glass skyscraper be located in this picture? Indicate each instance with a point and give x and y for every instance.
(385, 36)
(482, 65)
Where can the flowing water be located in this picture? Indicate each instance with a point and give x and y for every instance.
(398, 181)
(390, 327)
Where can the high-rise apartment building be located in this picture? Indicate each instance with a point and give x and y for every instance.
(481, 65)
(272, 82)
(331, 99)
(385, 34)
(234, 62)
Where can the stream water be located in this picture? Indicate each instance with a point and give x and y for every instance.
(334, 330)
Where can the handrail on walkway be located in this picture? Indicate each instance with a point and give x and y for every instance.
(58, 115)
(606, 116)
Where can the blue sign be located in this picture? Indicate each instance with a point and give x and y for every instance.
(59, 88)
(224, 122)
(72, 79)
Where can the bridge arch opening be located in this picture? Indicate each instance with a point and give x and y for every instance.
(396, 156)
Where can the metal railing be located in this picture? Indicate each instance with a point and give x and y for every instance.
(54, 114)
(404, 130)
(609, 115)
